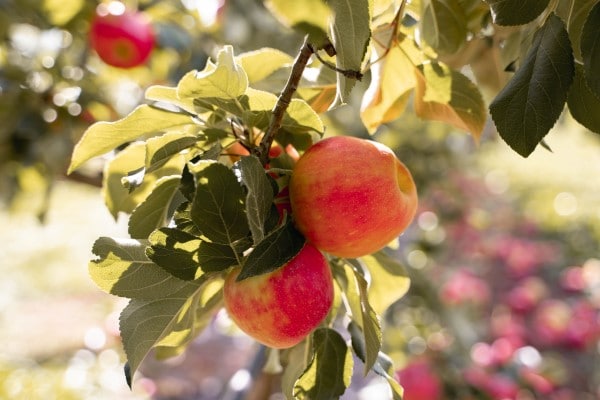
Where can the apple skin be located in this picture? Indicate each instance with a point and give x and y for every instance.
(350, 197)
(122, 40)
(280, 308)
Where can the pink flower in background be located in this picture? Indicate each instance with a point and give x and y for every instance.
(419, 381)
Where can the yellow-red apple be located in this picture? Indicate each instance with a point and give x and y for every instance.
(280, 308)
(350, 197)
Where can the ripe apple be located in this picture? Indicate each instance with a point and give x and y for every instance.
(121, 38)
(280, 308)
(350, 197)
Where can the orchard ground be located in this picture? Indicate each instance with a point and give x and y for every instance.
(59, 332)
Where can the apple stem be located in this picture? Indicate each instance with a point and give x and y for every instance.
(306, 51)
(273, 364)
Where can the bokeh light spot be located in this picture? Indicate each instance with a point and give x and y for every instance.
(497, 181)
(417, 259)
(565, 204)
(240, 380)
(428, 221)
(94, 338)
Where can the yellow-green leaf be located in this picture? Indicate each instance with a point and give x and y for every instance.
(132, 158)
(329, 373)
(308, 16)
(103, 137)
(123, 269)
(446, 95)
(166, 94)
(392, 79)
(300, 117)
(261, 63)
(224, 80)
(388, 281)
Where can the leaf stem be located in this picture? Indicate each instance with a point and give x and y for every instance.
(283, 102)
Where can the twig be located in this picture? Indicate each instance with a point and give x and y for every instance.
(262, 150)
(348, 73)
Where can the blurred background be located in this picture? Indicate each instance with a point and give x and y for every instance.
(503, 255)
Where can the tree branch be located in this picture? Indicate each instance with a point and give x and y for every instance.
(262, 150)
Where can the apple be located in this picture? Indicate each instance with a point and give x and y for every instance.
(280, 308)
(121, 38)
(350, 197)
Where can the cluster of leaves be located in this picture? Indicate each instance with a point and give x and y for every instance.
(421, 50)
(195, 214)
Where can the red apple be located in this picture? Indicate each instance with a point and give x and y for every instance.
(121, 38)
(280, 308)
(350, 197)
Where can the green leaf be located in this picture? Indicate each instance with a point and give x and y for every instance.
(354, 287)
(183, 219)
(530, 104)
(389, 282)
(574, 13)
(215, 257)
(259, 198)
(583, 104)
(295, 364)
(301, 125)
(192, 320)
(117, 196)
(175, 251)
(164, 322)
(152, 212)
(103, 137)
(300, 118)
(383, 365)
(516, 12)
(308, 16)
(225, 80)
(123, 269)
(443, 25)
(161, 149)
(330, 370)
(351, 32)
(261, 63)
(590, 49)
(446, 95)
(370, 325)
(276, 250)
(166, 94)
(218, 207)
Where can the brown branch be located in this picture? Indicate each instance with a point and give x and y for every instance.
(283, 102)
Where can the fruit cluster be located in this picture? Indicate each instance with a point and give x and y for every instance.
(349, 197)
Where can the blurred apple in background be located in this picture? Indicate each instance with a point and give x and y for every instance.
(121, 38)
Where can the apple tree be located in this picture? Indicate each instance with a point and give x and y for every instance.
(202, 166)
